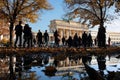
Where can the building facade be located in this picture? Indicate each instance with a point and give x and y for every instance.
(114, 36)
(67, 29)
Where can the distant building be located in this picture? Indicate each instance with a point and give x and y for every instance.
(67, 29)
(70, 28)
(115, 36)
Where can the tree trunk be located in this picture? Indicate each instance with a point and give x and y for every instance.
(11, 34)
(101, 35)
(11, 65)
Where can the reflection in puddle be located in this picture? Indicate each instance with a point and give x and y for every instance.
(69, 67)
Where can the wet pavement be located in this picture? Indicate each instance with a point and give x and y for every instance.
(34, 66)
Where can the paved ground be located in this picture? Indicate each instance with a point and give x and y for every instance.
(82, 51)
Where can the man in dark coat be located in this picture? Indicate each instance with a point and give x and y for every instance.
(63, 40)
(84, 39)
(39, 38)
(46, 37)
(89, 40)
(56, 37)
(26, 34)
(18, 32)
(75, 40)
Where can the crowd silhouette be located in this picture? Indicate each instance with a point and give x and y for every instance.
(77, 41)
(42, 39)
(29, 40)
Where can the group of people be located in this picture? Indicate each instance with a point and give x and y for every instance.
(40, 40)
(76, 41)
(27, 35)
(29, 39)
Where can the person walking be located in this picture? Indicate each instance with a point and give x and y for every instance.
(34, 42)
(39, 38)
(95, 41)
(70, 41)
(56, 35)
(18, 32)
(63, 41)
(26, 35)
(75, 40)
(79, 41)
(89, 40)
(46, 38)
(109, 40)
(30, 38)
(84, 39)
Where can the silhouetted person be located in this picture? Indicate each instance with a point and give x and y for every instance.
(18, 32)
(101, 37)
(46, 37)
(95, 41)
(30, 37)
(89, 40)
(39, 38)
(79, 41)
(75, 40)
(109, 40)
(34, 42)
(26, 34)
(63, 40)
(84, 39)
(56, 35)
(70, 41)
